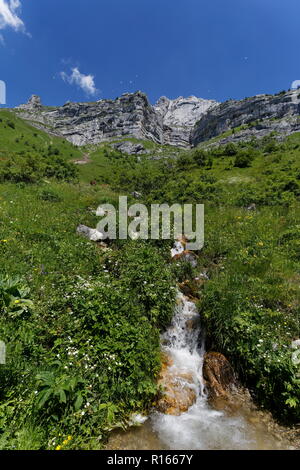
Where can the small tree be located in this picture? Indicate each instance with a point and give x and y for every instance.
(230, 150)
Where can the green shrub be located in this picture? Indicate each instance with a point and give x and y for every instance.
(202, 158)
(230, 150)
(32, 168)
(11, 124)
(243, 159)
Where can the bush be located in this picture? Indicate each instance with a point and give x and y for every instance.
(230, 150)
(243, 159)
(32, 168)
(184, 161)
(201, 157)
(11, 124)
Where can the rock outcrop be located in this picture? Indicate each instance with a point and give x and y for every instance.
(179, 392)
(179, 117)
(130, 148)
(90, 233)
(257, 116)
(218, 375)
(100, 121)
(34, 103)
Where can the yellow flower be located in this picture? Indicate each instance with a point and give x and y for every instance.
(17, 301)
(65, 442)
(4, 241)
(260, 244)
(69, 438)
(58, 448)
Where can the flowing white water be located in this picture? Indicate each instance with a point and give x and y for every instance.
(201, 427)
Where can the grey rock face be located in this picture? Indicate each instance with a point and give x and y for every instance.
(260, 115)
(130, 148)
(92, 123)
(34, 103)
(179, 117)
(169, 122)
(183, 122)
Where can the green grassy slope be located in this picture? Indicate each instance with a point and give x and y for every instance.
(17, 135)
(82, 324)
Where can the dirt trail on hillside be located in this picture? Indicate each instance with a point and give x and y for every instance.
(85, 159)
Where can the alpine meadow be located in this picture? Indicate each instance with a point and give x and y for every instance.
(145, 343)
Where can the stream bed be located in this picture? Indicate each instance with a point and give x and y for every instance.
(201, 427)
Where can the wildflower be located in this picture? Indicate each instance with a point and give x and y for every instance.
(58, 448)
(260, 244)
(69, 438)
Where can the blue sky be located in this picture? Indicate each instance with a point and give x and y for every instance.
(83, 50)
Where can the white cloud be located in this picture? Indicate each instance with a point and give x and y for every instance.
(9, 15)
(85, 82)
(295, 84)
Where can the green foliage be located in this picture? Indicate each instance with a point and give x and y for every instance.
(230, 150)
(14, 299)
(17, 135)
(89, 353)
(251, 305)
(58, 392)
(49, 195)
(202, 158)
(244, 159)
(32, 168)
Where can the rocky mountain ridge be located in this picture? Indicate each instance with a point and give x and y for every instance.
(183, 122)
(252, 117)
(169, 122)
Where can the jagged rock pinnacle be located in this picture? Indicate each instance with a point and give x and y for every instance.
(34, 102)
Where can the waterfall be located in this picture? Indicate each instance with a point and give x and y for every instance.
(200, 427)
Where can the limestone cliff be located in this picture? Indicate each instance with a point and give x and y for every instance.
(169, 122)
(256, 116)
(179, 117)
(183, 122)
